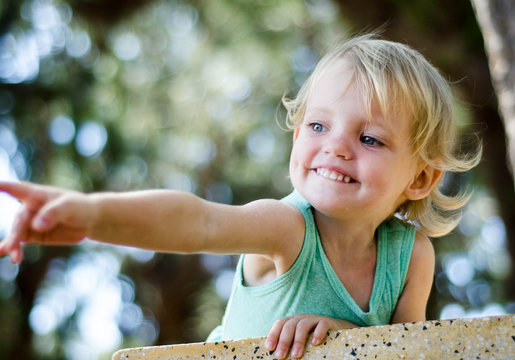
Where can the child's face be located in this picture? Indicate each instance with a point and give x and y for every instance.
(344, 163)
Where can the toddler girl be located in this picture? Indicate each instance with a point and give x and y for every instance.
(373, 134)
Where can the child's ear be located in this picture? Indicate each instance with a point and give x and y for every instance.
(423, 183)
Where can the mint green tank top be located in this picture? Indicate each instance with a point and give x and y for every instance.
(311, 286)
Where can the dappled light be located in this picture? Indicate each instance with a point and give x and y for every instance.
(91, 139)
(89, 286)
(61, 130)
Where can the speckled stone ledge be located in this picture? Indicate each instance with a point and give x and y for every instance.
(481, 338)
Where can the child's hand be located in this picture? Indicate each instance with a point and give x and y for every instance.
(293, 331)
(48, 216)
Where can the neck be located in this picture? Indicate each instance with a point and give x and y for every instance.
(352, 239)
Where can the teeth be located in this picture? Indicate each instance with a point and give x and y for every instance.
(333, 175)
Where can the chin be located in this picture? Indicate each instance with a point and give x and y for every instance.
(322, 198)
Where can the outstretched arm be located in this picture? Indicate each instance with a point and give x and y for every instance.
(159, 220)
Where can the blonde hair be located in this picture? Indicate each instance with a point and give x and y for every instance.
(400, 79)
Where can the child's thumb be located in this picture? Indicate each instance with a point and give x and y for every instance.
(47, 217)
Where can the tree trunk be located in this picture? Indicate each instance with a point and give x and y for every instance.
(497, 21)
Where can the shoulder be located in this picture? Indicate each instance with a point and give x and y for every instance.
(277, 214)
(282, 224)
(259, 227)
(273, 205)
(281, 236)
(422, 262)
(423, 251)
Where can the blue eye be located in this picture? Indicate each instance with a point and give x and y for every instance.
(369, 140)
(316, 127)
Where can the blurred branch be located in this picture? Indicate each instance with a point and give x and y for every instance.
(107, 11)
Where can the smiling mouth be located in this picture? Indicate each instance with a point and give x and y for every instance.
(333, 175)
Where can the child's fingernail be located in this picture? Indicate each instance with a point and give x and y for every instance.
(39, 222)
(295, 353)
(268, 345)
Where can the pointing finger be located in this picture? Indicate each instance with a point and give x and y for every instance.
(33, 195)
(19, 190)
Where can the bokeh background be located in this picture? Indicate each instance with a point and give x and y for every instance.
(132, 94)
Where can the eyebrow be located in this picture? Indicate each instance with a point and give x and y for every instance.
(317, 109)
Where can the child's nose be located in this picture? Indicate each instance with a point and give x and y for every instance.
(340, 146)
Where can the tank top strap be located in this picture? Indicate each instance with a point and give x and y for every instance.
(309, 246)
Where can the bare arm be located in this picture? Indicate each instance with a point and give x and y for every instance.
(179, 222)
(413, 301)
(159, 220)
